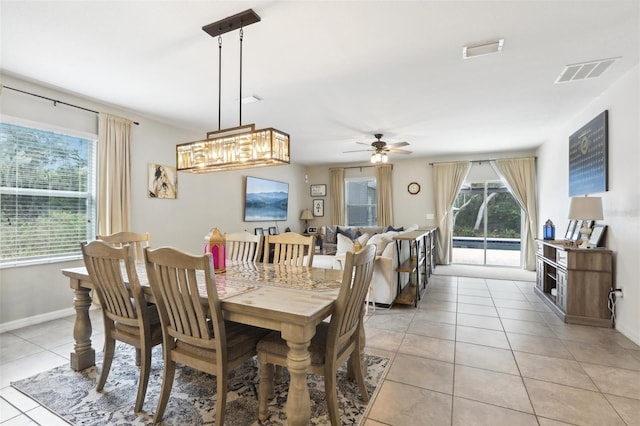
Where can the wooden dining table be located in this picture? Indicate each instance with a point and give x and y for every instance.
(289, 299)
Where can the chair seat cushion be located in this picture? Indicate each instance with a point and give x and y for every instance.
(154, 324)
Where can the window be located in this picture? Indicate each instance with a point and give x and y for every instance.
(47, 193)
(360, 197)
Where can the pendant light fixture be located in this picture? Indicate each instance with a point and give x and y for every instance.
(239, 147)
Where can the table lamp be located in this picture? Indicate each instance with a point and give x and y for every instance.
(306, 216)
(586, 209)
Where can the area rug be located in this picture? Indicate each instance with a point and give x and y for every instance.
(72, 395)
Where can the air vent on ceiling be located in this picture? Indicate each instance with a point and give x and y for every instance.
(585, 70)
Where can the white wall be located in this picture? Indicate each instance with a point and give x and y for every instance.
(35, 293)
(621, 203)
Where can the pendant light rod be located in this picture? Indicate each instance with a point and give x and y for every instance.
(219, 80)
(240, 96)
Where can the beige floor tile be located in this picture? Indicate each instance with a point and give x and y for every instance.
(467, 412)
(519, 314)
(571, 405)
(615, 381)
(475, 300)
(389, 322)
(627, 408)
(584, 334)
(513, 304)
(550, 422)
(467, 308)
(438, 305)
(18, 399)
(8, 411)
(21, 420)
(507, 295)
(383, 339)
(504, 390)
(611, 355)
(486, 357)
(481, 336)
(28, 366)
(45, 417)
(473, 292)
(13, 347)
(432, 329)
(369, 422)
(46, 328)
(422, 372)
(527, 327)
(479, 321)
(436, 316)
(555, 370)
(538, 345)
(399, 404)
(442, 296)
(428, 347)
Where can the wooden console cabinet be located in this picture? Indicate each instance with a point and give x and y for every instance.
(575, 282)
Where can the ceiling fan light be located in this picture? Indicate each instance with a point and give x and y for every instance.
(376, 157)
(385, 158)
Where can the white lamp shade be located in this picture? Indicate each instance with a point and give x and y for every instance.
(306, 215)
(586, 208)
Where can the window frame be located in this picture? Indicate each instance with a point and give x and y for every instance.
(369, 205)
(90, 195)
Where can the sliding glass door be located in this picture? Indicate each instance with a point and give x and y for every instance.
(487, 223)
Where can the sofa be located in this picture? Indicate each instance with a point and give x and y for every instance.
(340, 239)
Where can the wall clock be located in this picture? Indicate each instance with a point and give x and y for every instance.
(413, 188)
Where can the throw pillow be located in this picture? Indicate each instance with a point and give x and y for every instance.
(344, 231)
(362, 239)
(330, 234)
(391, 228)
(380, 241)
(345, 244)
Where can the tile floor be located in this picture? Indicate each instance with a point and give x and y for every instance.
(475, 352)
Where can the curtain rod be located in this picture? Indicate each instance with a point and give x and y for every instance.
(55, 101)
(480, 161)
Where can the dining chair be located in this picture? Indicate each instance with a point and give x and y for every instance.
(127, 315)
(138, 240)
(194, 330)
(289, 248)
(243, 246)
(334, 342)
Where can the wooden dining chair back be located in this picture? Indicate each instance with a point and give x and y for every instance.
(193, 327)
(334, 342)
(138, 241)
(127, 315)
(289, 248)
(243, 246)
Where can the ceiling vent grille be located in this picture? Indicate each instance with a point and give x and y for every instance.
(585, 70)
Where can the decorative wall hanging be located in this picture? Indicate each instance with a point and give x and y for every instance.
(318, 208)
(588, 157)
(161, 181)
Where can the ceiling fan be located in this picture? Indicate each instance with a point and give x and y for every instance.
(380, 149)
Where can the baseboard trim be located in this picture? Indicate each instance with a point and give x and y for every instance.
(38, 319)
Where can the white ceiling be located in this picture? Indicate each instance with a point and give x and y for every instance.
(332, 73)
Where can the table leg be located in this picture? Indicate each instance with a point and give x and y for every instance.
(298, 400)
(84, 355)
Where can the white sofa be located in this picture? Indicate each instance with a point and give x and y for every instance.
(385, 277)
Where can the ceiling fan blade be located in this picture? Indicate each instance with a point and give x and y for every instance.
(358, 150)
(399, 151)
(397, 144)
(364, 143)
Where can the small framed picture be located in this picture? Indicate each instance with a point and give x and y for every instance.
(319, 190)
(258, 231)
(272, 230)
(318, 208)
(576, 231)
(569, 233)
(161, 181)
(596, 239)
(312, 230)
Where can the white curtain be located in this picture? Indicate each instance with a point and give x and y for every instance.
(336, 195)
(114, 174)
(384, 203)
(520, 176)
(447, 180)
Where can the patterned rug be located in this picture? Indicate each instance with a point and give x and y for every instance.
(72, 395)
